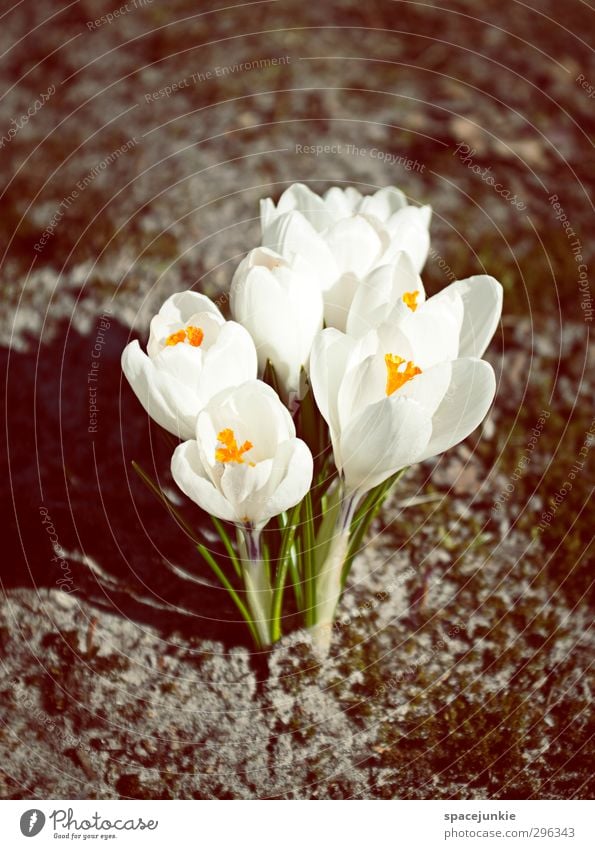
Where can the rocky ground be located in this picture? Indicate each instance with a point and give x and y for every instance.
(462, 665)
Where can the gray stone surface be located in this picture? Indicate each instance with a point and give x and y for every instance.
(462, 665)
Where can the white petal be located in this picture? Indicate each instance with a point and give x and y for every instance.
(182, 363)
(482, 302)
(229, 362)
(339, 203)
(179, 307)
(209, 322)
(355, 244)
(240, 485)
(338, 299)
(384, 203)
(353, 196)
(295, 480)
(189, 474)
(328, 361)
(291, 234)
(301, 198)
(465, 405)
(385, 438)
(394, 339)
(429, 387)
(178, 378)
(267, 213)
(382, 288)
(282, 308)
(364, 379)
(425, 214)
(433, 330)
(167, 401)
(254, 412)
(408, 229)
(175, 312)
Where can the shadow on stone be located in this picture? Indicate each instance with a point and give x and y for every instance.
(73, 429)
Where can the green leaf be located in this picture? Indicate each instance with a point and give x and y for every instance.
(228, 586)
(309, 539)
(282, 570)
(330, 507)
(161, 496)
(296, 575)
(220, 528)
(364, 517)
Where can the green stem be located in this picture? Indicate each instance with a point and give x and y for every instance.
(226, 583)
(228, 545)
(296, 577)
(369, 509)
(328, 579)
(255, 572)
(283, 566)
(308, 559)
(278, 600)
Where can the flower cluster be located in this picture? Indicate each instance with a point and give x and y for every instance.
(335, 374)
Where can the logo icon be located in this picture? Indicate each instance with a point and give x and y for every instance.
(32, 822)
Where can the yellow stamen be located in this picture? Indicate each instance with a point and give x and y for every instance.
(410, 300)
(395, 376)
(230, 452)
(176, 338)
(193, 335)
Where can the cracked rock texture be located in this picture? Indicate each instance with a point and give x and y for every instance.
(460, 666)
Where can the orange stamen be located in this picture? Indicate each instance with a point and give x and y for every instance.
(395, 375)
(230, 452)
(193, 335)
(410, 300)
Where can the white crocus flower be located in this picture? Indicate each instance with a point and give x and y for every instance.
(246, 466)
(388, 205)
(344, 250)
(381, 291)
(280, 303)
(192, 354)
(392, 293)
(394, 397)
(402, 393)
